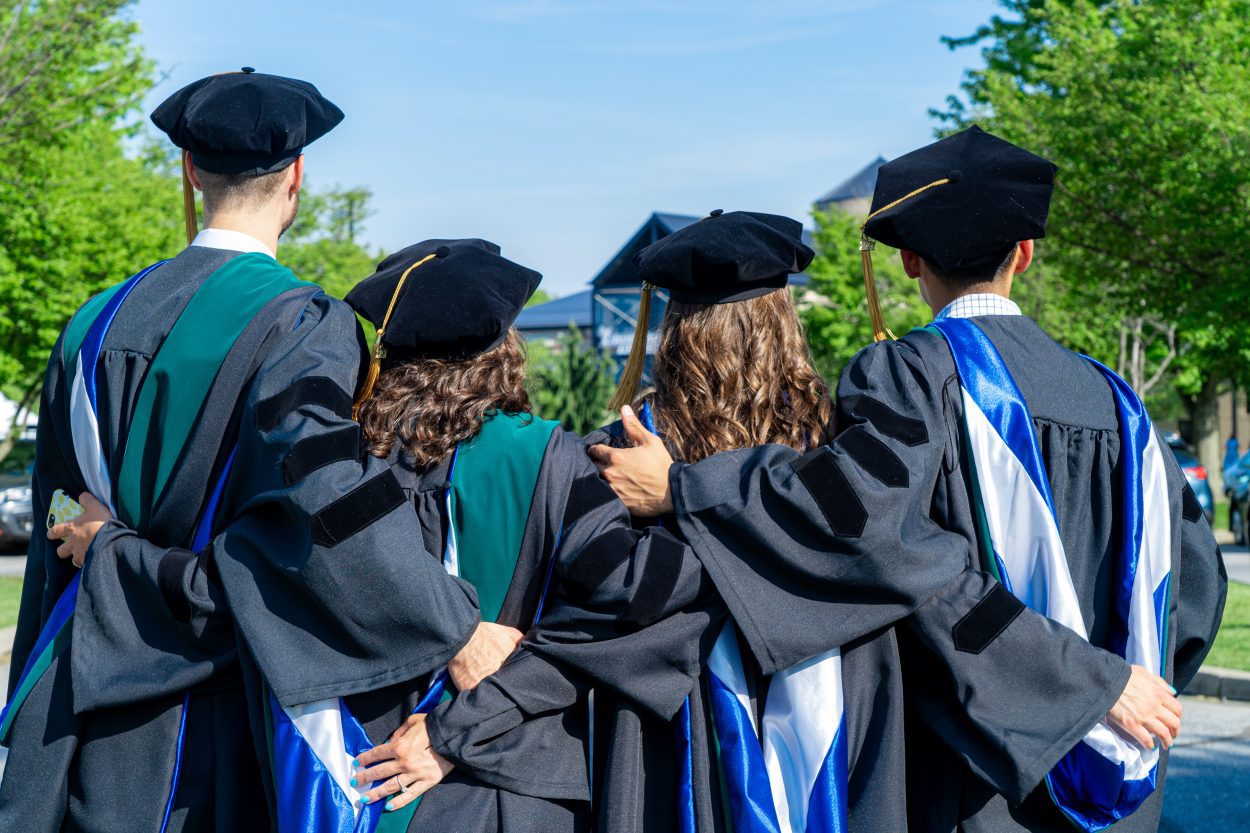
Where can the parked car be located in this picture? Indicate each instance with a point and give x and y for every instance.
(16, 521)
(1237, 490)
(1195, 474)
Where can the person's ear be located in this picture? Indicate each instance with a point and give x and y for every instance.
(1025, 257)
(297, 175)
(911, 263)
(192, 174)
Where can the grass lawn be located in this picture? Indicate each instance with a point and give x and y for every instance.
(1221, 515)
(10, 597)
(1232, 645)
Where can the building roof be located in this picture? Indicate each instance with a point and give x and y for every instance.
(558, 314)
(858, 186)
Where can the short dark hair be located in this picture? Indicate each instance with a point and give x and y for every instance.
(978, 273)
(221, 190)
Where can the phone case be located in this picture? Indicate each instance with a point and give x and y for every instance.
(63, 509)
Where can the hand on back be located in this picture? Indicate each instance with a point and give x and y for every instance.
(638, 475)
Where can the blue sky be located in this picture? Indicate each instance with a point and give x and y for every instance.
(554, 127)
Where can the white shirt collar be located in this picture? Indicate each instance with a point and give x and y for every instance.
(979, 303)
(235, 241)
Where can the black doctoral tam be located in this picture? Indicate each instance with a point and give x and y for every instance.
(458, 299)
(246, 123)
(963, 201)
(726, 257)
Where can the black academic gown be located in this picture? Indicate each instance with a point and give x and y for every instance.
(624, 614)
(878, 526)
(637, 766)
(307, 538)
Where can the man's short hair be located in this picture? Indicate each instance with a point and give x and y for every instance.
(237, 190)
(980, 273)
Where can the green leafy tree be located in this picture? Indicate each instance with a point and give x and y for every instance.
(540, 296)
(570, 382)
(323, 244)
(1143, 107)
(834, 309)
(78, 213)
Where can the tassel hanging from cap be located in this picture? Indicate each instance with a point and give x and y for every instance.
(188, 199)
(631, 374)
(379, 349)
(880, 332)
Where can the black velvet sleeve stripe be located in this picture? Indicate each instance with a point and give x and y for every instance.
(312, 453)
(832, 492)
(1191, 509)
(587, 494)
(598, 559)
(861, 408)
(169, 578)
(357, 509)
(989, 618)
(874, 457)
(658, 581)
(309, 390)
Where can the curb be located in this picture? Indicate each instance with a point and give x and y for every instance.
(1223, 683)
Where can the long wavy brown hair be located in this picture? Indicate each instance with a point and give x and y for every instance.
(431, 405)
(736, 375)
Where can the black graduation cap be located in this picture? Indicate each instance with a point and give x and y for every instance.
(726, 257)
(246, 123)
(721, 259)
(443, 299)
(963, 201)
(440, 299)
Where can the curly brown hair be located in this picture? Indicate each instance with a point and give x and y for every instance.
(736, 375)
(431, 405)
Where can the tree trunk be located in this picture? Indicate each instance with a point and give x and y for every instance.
(1207, 440)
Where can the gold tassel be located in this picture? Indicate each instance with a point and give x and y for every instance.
(188, 200)
(880, 332)
(379, 349)
(631, 374)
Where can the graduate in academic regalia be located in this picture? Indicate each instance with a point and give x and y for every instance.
(512, 505)
(1001, 498)
(732, 370)
(175, 681)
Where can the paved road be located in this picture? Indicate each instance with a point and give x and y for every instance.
(12, 564)
(1237, 560)
(1208, 780)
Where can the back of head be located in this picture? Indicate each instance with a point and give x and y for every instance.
(447, 354)
(736, 375)
(432, 405)
(241, 131)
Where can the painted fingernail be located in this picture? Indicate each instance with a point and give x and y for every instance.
(390, 805)
(354, 782)
(364, 799)
(355, 762)
(1172, 690)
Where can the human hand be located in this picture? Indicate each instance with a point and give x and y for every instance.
(405, 764)
(485, 652)
(638, 475)
(78, 534)
(1147, 707)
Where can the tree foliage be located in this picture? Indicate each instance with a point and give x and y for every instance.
(570, 382)
(1143, 107)
(323, 244)
(79, 214)
(834, 311)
